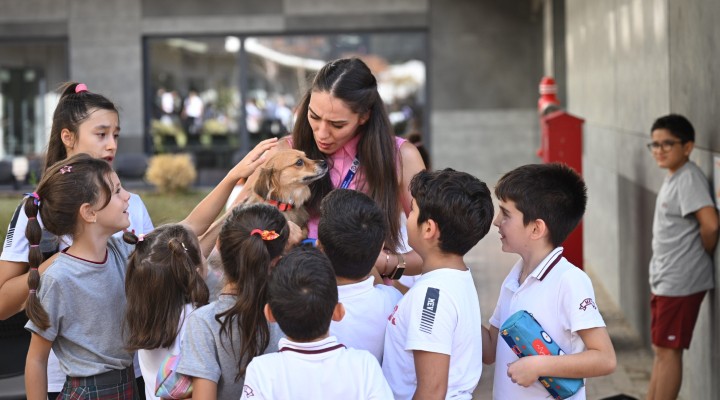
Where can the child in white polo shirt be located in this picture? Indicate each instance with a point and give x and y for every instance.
(540, 205)
(310, 364)
(433, 345)
(351, 233)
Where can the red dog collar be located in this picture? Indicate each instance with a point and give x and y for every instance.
(280, 206)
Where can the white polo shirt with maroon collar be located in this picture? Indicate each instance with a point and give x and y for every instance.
(561, 298)
(324, 369)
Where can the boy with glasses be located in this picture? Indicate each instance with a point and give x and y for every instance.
(685, 231)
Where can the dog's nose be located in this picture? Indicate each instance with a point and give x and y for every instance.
(322, 163)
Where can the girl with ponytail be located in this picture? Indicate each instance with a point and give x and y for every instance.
(163, 286)
(83, 122)
(223, 337)
(78, 304)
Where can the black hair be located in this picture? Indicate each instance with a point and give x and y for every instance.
(72, 109)
(459, 203)
(552, 192)
(677, 125)
(303, 294)
(351, 230)
(246, 259)
(351, 81)
(63, 189)
(162, 276)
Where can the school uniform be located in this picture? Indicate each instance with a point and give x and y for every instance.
(439, 314)
(85, 303)
(561, 298)
(16, 248)
(367, 308)
(324, 369)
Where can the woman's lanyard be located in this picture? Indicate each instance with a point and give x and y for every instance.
(344, 185)
(350, 174)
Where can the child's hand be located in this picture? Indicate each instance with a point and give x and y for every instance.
(524, 371)
(296, 235)
(253, 159)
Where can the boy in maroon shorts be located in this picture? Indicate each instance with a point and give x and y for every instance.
(685, 229)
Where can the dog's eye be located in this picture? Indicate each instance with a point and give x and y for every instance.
(299, 162)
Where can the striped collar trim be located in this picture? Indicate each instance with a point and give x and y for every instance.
(317, 351)
(548, 263)
(323, 346)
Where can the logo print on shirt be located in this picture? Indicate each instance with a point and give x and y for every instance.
(391, 318)
(586, 303)
(248, 391)
(432, 296)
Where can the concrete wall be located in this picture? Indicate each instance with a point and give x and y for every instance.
(486, 62)
(628, 62)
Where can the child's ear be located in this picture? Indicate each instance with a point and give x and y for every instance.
(539, 229)
(268, 313)
(274, 261)
(68, 138)
(688, 148)
(87, 213)
(430, 229)
(338, 312)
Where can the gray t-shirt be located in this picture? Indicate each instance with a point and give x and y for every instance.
(680, 266)
(85, 302)
(205, 354)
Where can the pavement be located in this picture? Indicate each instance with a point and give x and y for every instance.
(490, 266)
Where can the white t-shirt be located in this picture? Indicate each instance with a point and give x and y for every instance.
(561, 298)
(317, 370)
(16, 249)
(439, 314)
(367, 309)
(150, 360)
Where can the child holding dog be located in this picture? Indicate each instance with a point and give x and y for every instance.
(685, 233)
(540, 205)
(311, 364)
(433, 348)
(350, 233)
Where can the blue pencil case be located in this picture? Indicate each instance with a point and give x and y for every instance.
(526, 337)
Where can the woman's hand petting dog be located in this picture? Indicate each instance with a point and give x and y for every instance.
(252, 159)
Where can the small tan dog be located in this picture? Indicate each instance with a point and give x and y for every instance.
(283, 181)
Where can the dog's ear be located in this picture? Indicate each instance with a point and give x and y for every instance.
(263, 183)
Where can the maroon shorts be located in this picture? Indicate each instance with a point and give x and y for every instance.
(673, 319)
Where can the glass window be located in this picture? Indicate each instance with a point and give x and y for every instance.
(26, 101)
(218, 96)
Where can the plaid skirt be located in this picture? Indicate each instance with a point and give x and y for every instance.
(112, 385)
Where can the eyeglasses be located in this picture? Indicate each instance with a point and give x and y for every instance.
(665, 145)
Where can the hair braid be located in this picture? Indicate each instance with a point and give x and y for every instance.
(33, 307)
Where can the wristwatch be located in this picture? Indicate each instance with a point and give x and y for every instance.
(399, 269)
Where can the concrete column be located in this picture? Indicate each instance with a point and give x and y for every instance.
(106, 54)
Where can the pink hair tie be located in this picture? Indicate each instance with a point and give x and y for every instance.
(33, 291)
(81, 87)
(29, 218)
(33, 268)
(32, 246)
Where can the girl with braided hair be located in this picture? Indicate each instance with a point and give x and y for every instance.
(83, 122)
(78, 305)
